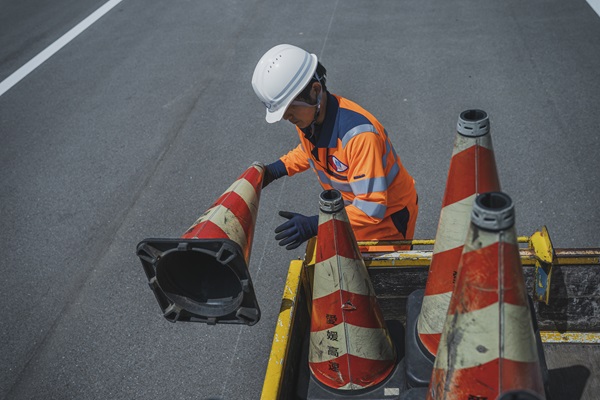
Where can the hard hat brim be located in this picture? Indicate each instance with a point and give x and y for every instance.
(276, 116)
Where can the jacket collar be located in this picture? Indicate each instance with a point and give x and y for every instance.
(324, 136)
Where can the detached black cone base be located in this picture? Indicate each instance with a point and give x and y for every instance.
(540, 349)
(200, 280)
(415, 394)
(419, 363)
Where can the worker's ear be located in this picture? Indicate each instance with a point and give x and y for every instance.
(317, 88)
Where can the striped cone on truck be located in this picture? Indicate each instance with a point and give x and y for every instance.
(488, 346)
(472, 171)
(203, 276)
(350, 346)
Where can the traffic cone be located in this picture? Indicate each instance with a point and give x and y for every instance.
(472, 170)
(203, 276)
(351, 350)
(488, 346)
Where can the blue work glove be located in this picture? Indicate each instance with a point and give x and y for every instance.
(274, 171)
(297, 230)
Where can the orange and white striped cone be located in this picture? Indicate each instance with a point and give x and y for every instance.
(351, 349)
(203, 276)
(488, 346)
(472, 171)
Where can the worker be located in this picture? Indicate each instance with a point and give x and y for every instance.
(346, 146)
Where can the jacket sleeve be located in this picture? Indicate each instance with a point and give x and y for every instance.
(295, 161)
(367, 178)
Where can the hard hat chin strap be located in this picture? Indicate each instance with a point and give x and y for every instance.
(314, 121)
(318, 107)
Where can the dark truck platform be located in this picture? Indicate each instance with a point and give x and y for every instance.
(566, 308)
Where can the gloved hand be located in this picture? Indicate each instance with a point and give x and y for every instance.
(297, 230)
(273, 171)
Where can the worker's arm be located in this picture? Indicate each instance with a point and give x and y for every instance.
(298, 228)
(295, 161)
(290, 164)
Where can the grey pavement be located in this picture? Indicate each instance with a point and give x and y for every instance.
(136, 126)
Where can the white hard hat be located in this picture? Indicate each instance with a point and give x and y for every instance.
(280, 76)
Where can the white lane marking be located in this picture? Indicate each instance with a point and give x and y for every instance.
(49, 51)
(595, 4)
(328, 29)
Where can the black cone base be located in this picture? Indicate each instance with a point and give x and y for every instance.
(200, 280)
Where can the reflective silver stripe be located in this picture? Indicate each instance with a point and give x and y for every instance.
(394, 153)
(389, 149)
(341, 186)
(387, 152)
(370, 208)
(356, 131)
(392, 174)
(395, 168)
(366, 186)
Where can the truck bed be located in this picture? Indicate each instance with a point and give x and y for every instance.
(568, 324)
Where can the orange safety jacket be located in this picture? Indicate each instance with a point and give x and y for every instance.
(353, 154)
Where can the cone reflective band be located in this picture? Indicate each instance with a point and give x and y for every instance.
(203, 276)
(488, 346)
(472, 171)
(350, 346)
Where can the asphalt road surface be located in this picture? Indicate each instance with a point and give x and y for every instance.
(138, 124)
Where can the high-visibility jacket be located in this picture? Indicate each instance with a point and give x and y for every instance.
(353, 154)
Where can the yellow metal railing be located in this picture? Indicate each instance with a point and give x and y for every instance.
(283, 333)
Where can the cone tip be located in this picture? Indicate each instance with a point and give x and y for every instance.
(330, 201)
(473, 123)
(493, 211)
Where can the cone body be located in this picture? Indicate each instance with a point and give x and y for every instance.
(488, 345)
(233, 214)
(203, 276)
(350, 346)
(472, 171)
